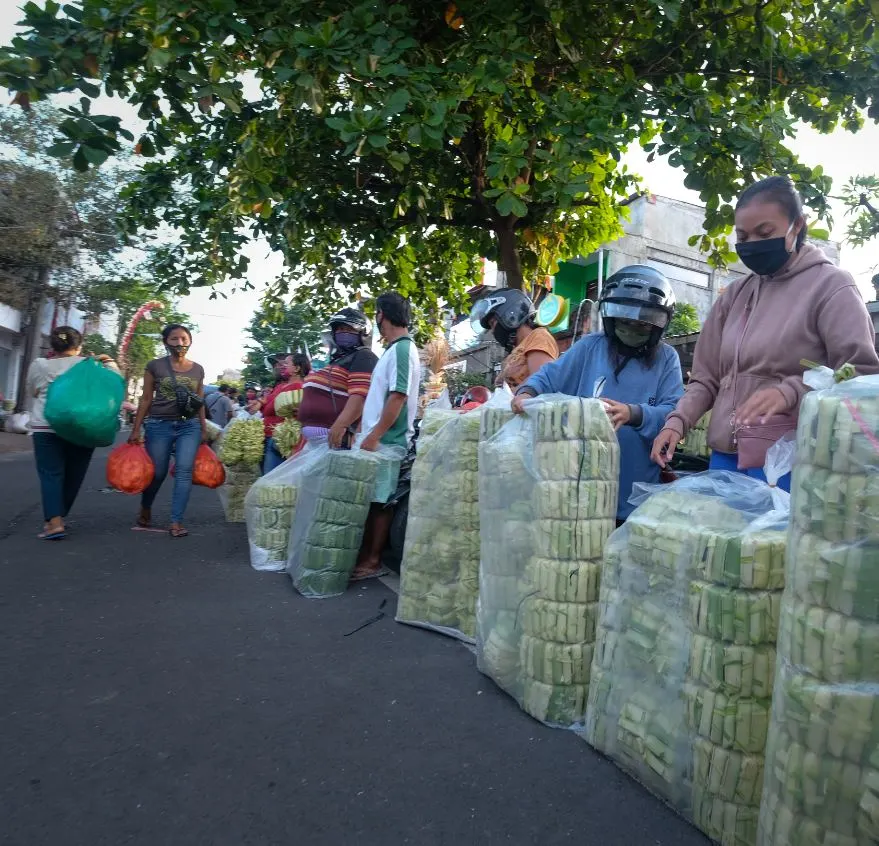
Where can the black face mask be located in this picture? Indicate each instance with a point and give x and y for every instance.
(765, 257)
(505, 337)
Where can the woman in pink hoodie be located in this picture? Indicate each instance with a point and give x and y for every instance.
(795, 305)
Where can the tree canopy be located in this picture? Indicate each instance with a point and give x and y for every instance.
(389, 143)
(685, 320)
(275, 329)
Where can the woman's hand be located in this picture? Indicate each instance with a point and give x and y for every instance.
(336, 435)
(763, 404)
(135, 437)
(618, 412)
(518, 403)
(664, 447)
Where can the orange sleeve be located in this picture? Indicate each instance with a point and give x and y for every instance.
(540, 340)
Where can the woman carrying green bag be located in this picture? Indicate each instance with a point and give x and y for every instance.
(61, 463)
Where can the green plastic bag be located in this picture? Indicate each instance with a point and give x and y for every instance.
(82, 405)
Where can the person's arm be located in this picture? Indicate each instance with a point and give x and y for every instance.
(230, 411)
(561, 376)
(536, 359)
(350, 414)
(393, 406)
(35, 377)
(846, 330)
(398, 392)
(143, 406)
(359, 379)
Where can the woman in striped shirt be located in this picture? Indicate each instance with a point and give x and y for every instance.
(333, 397)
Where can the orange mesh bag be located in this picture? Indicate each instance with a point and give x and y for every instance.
(130, 469)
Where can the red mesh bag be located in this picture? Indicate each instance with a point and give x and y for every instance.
(130, 469)
(208, 470)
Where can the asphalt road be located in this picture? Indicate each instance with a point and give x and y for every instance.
(159, 691)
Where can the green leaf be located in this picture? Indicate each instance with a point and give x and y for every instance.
(397, 102)
(61, 149)
(94, 155)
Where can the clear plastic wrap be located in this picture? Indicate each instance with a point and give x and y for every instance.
(548, 500)
(696, 441)
(822, 774)
(684, 663)
(439, 577)
(270, 506)
(335, 495)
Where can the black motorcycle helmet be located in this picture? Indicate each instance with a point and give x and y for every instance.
(641, 293)
(510, 307)
(354, 318)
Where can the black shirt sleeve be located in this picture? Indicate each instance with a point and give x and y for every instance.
(364, 361)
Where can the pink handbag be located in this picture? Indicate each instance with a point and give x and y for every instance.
(753, 442)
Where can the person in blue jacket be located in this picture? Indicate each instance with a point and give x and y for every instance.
(636, 375)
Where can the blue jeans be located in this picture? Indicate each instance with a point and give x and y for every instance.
(161, 437)
(727, 461)
(61, 467)
(272, 457)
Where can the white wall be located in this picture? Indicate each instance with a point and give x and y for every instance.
(10, 318)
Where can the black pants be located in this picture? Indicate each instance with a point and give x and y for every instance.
(61, 467)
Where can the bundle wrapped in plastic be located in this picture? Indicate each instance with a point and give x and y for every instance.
(822, 773)
(696, 442)
(548, 500)
(439, 577)
(240, 449)
(335, 494)
(270, 506)
(287, 403)
(684, 664)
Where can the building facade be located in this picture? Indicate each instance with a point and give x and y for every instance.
(656, 235)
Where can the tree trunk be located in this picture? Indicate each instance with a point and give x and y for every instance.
(508, 257)
(34, 306)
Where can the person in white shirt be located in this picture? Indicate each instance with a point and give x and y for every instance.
(388, 421)
(61, 465)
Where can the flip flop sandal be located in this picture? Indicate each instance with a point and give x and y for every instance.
(178, 533)
(52, 536)
(369, 574)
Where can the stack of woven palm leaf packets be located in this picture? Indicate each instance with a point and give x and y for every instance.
(552, 476)
(439, 577)
(334, 502)
(822, 779)
(684, 665)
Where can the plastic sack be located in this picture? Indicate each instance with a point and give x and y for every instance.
(696, 441)
(243, 442)
(17, 424)
(439, 575)
(287, 403)
(239, 479)
(334, 501)
(287, 437)
(207, 471)
(822, 774)
(240, 449)
(82, 404)
(130, 468)
(684, 662)
(212, 431)
(548, 488)
(270, 507)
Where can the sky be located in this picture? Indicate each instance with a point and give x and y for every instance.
(221, 322)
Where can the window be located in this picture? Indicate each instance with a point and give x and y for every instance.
(681, 274)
